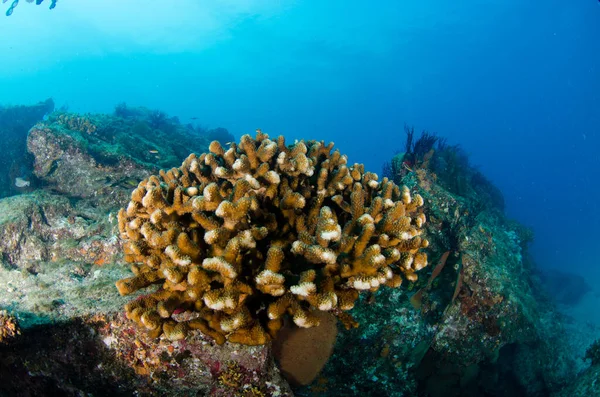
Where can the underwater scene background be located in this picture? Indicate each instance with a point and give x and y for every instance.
(471, 270)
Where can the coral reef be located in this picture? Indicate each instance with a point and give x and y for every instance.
(245, 235)
(479, 322)
(100, 355)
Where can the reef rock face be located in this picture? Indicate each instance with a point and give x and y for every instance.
(101, 158)
(44, 227)
(62, 161)
(468, 328)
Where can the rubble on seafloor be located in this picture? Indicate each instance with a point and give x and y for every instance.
(474, 322)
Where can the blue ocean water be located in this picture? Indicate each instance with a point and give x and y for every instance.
(515, 83)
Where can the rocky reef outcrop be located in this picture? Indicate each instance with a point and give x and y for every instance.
(473, 323)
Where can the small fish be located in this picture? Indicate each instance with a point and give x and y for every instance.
(20, 182)
(193, 118)
(153, 151)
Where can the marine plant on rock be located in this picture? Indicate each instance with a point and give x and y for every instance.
(416, 155)
(593, 352)
(242, 237)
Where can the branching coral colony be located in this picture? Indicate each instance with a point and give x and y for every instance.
(244, 236)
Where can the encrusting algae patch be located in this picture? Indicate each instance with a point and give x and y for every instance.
(244, 236)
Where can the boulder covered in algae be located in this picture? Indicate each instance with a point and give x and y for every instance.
(41, 227)
(100, 158)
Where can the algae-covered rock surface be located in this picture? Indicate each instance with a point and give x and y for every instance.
(46, 227)
(58, 261)
(100, 158)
